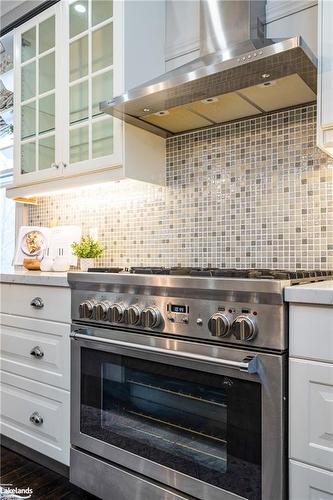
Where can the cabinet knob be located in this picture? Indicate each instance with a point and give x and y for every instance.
(37, 352)
(36, 418)
(37, 303)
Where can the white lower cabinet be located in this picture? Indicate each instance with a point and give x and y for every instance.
(35, 368)
(311, 402)
(311, 412)
(35, 349)
(36, 415)
(309, 483)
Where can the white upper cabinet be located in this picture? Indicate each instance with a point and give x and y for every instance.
(37, 91)
(67, 60)
(325, 76)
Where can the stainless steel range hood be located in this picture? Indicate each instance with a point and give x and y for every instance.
(238, 74)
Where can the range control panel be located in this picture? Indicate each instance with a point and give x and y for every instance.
(216, 321)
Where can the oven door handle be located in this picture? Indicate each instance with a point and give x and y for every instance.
(249, 364)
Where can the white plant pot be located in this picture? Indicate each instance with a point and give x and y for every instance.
(86, 263)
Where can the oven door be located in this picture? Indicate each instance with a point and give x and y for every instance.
(207, 421)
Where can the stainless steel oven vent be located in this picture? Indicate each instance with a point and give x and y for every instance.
(239, 73)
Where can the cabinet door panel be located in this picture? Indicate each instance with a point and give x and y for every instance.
(102, 88)
(79, 144)
(46, 34)
(78, 17)
(46, 108)
(101, 11)
(20, 336)
(79, 105)
(102, 138)
(38, 75)
(91, 144)
(28, 44)
(28, 82)
(309, 483)
(46, 73)
(102, 47)
(78, 58)
(46, 152)
(21, 398)
(311, 412)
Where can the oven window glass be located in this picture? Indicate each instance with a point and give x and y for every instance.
(204, 425)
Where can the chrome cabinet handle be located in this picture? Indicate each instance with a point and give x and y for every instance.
(63, 164)
(54, 165)
(37, 352)
(37, 303)
(36, 418)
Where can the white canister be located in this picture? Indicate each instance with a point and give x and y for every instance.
(61, 264)
(46, 264)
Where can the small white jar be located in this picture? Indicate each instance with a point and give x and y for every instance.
(61, 264)
(46, 264)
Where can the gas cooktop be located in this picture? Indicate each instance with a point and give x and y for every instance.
(274, 274)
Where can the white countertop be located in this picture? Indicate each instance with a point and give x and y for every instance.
(26, 277)
(312, 293)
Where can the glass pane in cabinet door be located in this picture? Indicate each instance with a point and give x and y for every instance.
(78, 58)
(102, 47)
(102, 138)
(28, 81)
(47, 34)
(28, 120)
(78, 17)
(78, 102)
(28, 157)
(46, 152)
(78, 144)
(28, 44)
(46, 73)
(46, 113)
(101, 11)
(102, 89)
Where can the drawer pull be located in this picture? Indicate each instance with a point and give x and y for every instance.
(37, 352)
(37, 303)
(36, 418)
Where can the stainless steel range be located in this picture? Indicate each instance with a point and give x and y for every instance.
(179, 383)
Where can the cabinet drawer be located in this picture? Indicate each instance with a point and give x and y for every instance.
(311, 332)
(36, 349)
(23, 401)
(19, 300)
(311, 412)
(309, 483)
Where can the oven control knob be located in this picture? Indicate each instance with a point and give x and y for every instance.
(116, 313)
(220, 324)
(100, 311)
(86, 309)
(151, 317)
(133, 315)
(245, 327)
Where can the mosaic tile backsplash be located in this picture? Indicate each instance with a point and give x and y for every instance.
(254, 193)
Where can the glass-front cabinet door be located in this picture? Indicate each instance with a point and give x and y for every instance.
(37, 100)
(93, 137)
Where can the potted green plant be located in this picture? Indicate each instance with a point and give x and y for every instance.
(87, 249)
